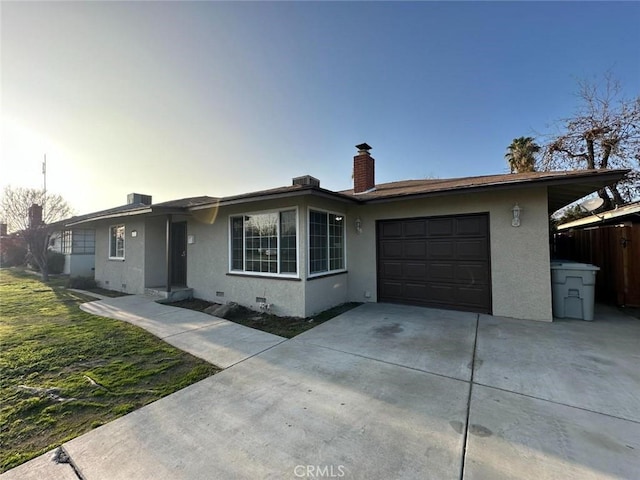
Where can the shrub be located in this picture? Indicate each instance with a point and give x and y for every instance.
(13, 251)
(55, 261)
(82, 283)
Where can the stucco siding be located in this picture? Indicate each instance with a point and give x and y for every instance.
(121, 275)
(79, 265)
(520, 276)
(208, 265)
(325, 292)
(155, 235)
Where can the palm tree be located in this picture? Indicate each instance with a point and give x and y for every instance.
(521, 155)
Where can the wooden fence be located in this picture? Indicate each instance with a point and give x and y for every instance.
(616, 250)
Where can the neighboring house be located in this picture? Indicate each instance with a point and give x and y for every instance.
(78, 246)
(479, 243)
(610, 240)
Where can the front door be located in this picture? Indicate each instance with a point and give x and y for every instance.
(179, 254)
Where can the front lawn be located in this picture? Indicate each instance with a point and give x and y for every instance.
(64, 371)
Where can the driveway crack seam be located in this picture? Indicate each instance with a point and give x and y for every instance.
(466, 427)
(386, 362)
(257, 353)
(191, 330)
(559, 403)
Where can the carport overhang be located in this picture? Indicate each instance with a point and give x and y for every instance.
(563, 188)
(564, 191)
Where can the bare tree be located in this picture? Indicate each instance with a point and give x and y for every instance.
(603, 133)
(33, 214)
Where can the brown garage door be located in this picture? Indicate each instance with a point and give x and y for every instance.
(435, 261)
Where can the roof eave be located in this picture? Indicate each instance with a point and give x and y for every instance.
(585, 184)
(242, 199)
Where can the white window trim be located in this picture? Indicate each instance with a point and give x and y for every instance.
(124, 242)
(244, 257)
(344, 241)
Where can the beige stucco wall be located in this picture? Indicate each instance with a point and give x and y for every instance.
(121, 275)
(520, 276)
(155, 234)
(208, 265)
(79, 265)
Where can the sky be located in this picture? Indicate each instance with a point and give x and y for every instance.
(182, 99)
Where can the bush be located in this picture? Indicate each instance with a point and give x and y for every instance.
(55, 261)
(13, 251)
(82, 283)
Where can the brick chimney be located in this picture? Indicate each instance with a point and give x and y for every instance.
(363, 170)
(35, 216)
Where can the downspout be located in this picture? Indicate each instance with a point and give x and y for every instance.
(168, 253)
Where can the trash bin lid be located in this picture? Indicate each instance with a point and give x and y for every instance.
(574, 266)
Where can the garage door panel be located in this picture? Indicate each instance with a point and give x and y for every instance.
(443, 249)
(391, 229)
(415, 228)
(392, 290)
(392, 269)
(443, 227)
(415, 270)
(415, 249)
(392, 249)
(474, 226)
(471, 274)
(436, 261)
(471, 296)
(415, 291)
(471, 249)
(442, 271)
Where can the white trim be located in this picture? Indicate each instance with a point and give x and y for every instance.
(124, 242)
(244, 270)
(344, 243)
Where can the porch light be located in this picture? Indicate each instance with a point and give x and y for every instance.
(358, 225)
(516, 215)
(134, 233)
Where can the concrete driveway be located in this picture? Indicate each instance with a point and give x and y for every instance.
(393, 392)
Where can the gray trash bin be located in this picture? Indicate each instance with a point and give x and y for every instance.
(573, 289)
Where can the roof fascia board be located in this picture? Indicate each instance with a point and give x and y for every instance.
(599, 177)
(274, 196)
(129, 213)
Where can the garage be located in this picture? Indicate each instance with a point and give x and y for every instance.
(440, 262)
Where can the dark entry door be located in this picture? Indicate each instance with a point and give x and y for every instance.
(179, 254)
(436, 261)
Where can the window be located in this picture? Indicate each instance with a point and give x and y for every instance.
(66, 241)
(264, 243)
(79, 241)
(326, 242)
(116, 242)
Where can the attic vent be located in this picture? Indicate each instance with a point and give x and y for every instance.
(306, 180)
(134, 198)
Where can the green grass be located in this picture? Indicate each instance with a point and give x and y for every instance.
(64, 372)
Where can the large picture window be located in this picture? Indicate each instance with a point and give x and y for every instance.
(264, 243)
(116, 242)
(326, 242)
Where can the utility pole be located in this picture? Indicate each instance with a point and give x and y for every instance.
(44, 174)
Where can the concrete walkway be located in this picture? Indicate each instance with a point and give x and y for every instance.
(388, 392)
(213, 339)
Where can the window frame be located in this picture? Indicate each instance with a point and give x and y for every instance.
(74, 242)
(328, 251)
(250, 273)
(124, 241)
